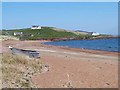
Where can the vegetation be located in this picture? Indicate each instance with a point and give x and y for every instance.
(44, 33)
(49, 33)
(17, 70)
(3, 37)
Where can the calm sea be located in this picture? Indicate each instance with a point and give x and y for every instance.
(97, 44)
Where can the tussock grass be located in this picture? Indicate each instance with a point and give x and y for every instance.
(3, 37)
(17, 70)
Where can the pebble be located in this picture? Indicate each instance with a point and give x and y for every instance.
(100, 67)
(107, 84)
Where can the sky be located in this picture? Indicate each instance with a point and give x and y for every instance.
(101, 17)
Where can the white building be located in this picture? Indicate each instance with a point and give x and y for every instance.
(95, 34)
(18, 33)
(36, 27)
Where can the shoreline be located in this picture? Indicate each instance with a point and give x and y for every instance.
(94, 51)
(101, 52)
(67, 39)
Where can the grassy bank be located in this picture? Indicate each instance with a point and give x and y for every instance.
(47, 33)
(3, 37)
(51, 33)
(17, 71)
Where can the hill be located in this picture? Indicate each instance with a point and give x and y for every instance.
(52, 33)
(46, 33)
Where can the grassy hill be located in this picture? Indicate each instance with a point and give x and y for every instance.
(47, 33)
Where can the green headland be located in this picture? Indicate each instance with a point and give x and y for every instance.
(51, 33)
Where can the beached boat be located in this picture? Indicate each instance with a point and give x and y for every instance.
(30, 53)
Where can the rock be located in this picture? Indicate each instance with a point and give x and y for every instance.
(45, 68)
(100, 67)
(105, 63)
(107, 84)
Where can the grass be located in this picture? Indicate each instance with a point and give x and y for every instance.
(0, 72)
(49, 33)
(17, 70)
(3, 37)
(44, 33)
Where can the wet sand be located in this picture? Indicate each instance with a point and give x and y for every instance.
(70, 67)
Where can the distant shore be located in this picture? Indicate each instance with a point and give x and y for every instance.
(67, 39)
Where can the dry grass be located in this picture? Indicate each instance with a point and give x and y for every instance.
(17, 70)
(0, 72)
(3, 37)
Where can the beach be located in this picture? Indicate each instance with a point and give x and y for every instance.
(71, 67)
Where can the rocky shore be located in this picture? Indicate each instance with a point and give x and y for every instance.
(92, 38)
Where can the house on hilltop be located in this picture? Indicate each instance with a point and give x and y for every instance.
(95, 33)
(36, 27)
(18, 33)
(87, 33)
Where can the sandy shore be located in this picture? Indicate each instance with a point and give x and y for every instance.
(70, 67)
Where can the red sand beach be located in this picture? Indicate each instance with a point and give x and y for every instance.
(70, 67)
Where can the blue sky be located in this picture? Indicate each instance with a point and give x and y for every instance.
(87, 16)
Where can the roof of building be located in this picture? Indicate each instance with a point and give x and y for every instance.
(35, 26)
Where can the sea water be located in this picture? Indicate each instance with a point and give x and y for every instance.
(111, 44)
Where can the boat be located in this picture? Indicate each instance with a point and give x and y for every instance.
(30, 53)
